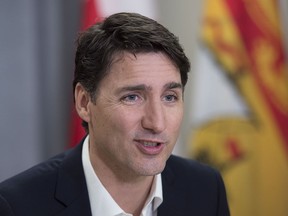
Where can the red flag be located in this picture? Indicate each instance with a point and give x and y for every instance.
(89, 17)
(89, 14)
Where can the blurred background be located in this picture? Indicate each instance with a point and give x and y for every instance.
(236, 112)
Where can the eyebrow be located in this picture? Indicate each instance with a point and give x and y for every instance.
(173, 85)
(143, 87)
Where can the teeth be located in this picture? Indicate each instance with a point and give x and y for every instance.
(150, 144)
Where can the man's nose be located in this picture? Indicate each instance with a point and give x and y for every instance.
(154, 117)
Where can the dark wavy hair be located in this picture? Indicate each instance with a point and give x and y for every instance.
(98, 46)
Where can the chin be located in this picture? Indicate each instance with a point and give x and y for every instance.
(152, 170)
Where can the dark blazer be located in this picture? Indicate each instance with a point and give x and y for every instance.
(57, 187)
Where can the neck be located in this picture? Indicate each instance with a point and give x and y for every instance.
(131, 197)
(129, 191)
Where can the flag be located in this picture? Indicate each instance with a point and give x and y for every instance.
(89, 17)
(242, 43)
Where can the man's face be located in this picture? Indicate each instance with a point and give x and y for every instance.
(135, 121)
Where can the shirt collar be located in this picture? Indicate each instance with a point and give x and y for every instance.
(101, 201)
(156, 196)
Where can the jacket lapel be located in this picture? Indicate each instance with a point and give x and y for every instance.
(174, 200)
(168, 207)
(71, 189)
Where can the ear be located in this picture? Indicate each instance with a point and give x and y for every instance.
(82, 100)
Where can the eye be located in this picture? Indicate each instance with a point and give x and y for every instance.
(130, 99)
(170, 98)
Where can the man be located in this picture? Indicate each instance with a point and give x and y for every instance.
(130, 74)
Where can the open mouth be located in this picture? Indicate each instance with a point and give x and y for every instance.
(150, 147)
(151, 144)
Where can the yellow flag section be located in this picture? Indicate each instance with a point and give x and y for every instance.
(244, 37)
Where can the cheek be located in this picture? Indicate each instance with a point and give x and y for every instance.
(123, 121)
(175, 117)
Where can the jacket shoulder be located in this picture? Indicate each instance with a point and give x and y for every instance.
(32, 187)
(188, 167)
(192, 187)
(39, 172)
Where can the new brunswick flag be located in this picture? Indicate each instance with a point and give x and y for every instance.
(244, 39)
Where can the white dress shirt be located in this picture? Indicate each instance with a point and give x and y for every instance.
(101, 201)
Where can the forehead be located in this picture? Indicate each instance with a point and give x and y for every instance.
(149, 72)
(151, 64)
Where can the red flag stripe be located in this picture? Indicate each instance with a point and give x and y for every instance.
(89, 17)
(250, 33)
